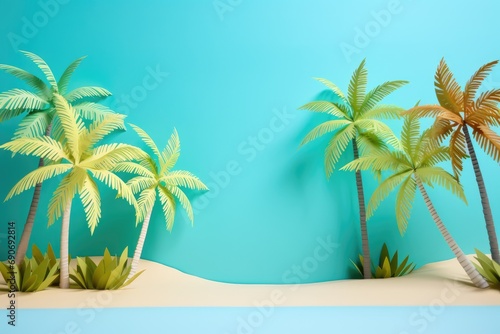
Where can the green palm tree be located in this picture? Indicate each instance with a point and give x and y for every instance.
(156, 179)
(356, 121)
(412, 167)
(458, 110)
(76, 157)
(39, 110)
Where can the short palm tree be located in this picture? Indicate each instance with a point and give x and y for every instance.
(82, 162)
(156, 179)
(412, 167)
(356, 121)
(40, 110)
(458, 110)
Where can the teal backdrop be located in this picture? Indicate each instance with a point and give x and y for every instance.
(229, 75)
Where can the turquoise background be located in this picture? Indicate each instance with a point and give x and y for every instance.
(224, 78)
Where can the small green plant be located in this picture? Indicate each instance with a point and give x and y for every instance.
(488, 268)
(109, 274)
(34, 274)
(388, 266)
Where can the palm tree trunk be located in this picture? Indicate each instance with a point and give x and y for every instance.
(64, 280)
(488, 217)
(367, 273)
(140, 244)
(22, 248)
(474, 275)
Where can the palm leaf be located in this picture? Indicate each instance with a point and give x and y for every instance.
(183, 178)
(337, 146)
(99, 129)
(404, 200)
(19, 99)
(385, 188)
(168, 205)
(380, 129)
(437, 175)
(133, 168)
(41, 147)
(42, 65)
(35, 124)
(387, 160)
(448, 91)
(488, 140)
(115, 183)
(410, 134)
(181, 196)
(87, 92)
(474, 83)
(146, 201)
(378, 93)
(457, 150)
(109, 155)
(383, 111)
(326, 107)
(92, 111)
(91, 201)
(71, 124)
(171, 152)
(139, 183)
(357, 87)
(32, 80)
(323, 129)
(434, 111)
(39, 175)
(66, 76)
(333, 87)
(148, 141)
(369, 142)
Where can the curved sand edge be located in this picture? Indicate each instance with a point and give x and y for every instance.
(442, 282)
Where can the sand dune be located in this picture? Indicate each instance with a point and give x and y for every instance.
(160, 286)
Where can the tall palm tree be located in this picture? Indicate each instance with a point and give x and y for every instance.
(458, 110)
(356, 121)
(39, 110)
(77, 157)
(155, 178)
(412, 167)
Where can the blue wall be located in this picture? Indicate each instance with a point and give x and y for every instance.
(230, 75)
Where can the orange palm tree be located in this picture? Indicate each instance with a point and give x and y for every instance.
(458, 110)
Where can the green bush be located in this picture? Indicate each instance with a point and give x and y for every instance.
(488, 268)
(109, 274)
(34, 274)
(388, 266)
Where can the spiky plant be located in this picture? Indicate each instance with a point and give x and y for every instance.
(39, 110)
(458, 110)
(81, 162)
(356, 121)
(411, 168)
(157, 179)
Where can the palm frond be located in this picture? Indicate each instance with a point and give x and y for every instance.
(437, 175)
(32, 80)
(42, 65)
(337, 146)
(380, 129)
(324, 128)
(99, 129)
(66, 76)
(488, 140)
(385, 188)
(378, 93)
(168, 205)
(93, 111)
(183, 178)
(139, 183)
(457, 150)
(333, 87)
(107, 156)
(357, 87)
(148, 141)
(133, 168)
(91, 201)
(39, 175)
(34, 124)
(64, 193)
(181, 196)
(475, 82)
(485, 109)
(387, 160)
(326, 107)
(114, 182)
(448, 91)
(16, 99)
(404, 200)
(441, 129)
(87, 92)
(171, 153)
(434, 156)
(71, 124)
(434, 111)
(41, 147)
(410, 134)
(146, 201)
(6, 114)
(383, 111)
(369, 142)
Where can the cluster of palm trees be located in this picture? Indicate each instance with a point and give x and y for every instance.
(413, 160)
(63, 129)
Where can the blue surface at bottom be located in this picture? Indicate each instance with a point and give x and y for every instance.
(255, 320)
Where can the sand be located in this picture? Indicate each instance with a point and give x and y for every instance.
(442, 282)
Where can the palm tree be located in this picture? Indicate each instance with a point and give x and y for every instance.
(39, 109)
(77, 157)
(458, 110)
(412, 167)
(356, 121)
(155, 178)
